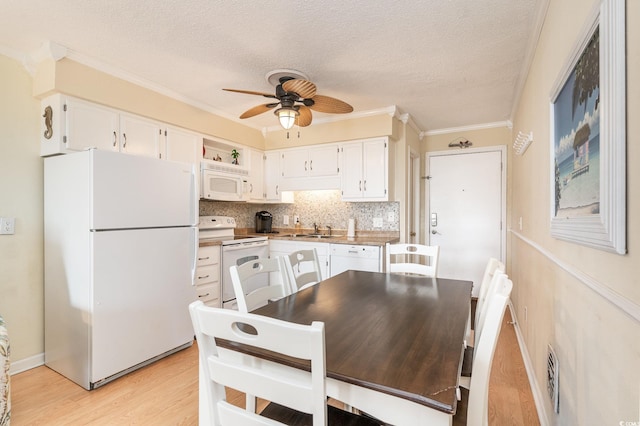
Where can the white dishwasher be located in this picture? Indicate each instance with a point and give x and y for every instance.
(361, 258)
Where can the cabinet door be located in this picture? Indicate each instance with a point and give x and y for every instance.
(272, 176)
(256, 176)
(295, 163)
(374, 165)
(182, 145)
(323, 161)
(351, 171)
(139, 136)
(89, 125)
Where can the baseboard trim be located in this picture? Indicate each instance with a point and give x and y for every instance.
(538, 395)
(26, 364)
(626, 305)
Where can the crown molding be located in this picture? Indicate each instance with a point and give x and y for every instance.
(506, 123)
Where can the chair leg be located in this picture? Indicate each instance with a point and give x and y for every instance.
(464, 382)
(250, 403)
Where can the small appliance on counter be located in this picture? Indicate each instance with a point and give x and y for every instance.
(264, 220)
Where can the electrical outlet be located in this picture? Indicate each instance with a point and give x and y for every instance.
(391, 216)
(520, 223)
(7, 225)
(296, 218)
(377, 222)
(285, 219)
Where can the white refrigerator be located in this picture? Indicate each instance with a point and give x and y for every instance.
(120, 253)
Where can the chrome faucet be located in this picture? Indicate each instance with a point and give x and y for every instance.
(329, 228)
(315, 228)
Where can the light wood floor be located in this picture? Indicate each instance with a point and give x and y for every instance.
(166, 393)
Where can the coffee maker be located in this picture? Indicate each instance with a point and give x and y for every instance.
(264, 220)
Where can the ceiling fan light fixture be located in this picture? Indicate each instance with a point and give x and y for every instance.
(287, 117)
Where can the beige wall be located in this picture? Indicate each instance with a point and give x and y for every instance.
(72, 78)
(21, 254)
(561, 284)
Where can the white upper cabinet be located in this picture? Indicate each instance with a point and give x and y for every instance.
(272, 176)
(365, 170)
(310, 168)
(70, 125)
(255, 182)
(140, 136)
(181, 145)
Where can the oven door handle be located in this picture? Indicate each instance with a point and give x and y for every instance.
(243, 246)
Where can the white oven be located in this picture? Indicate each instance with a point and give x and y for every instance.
(223, 182)
(236, 250)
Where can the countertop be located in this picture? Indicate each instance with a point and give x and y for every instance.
(365, 238)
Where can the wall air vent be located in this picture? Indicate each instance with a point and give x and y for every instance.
(552, 378)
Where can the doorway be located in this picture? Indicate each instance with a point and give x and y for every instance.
(466, 209)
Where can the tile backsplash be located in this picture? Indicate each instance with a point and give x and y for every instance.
(322, 207)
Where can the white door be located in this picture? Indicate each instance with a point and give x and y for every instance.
(140, 136)
(141, 293)
(323, 161)
(466, 196)
(351, 171)
(90, 125)
(131, 191)
(374, 169)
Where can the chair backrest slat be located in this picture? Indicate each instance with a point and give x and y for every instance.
(303, 269)
(429, 253)
(247, 299)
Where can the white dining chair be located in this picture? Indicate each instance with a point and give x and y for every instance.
(294, 399)
(474, 404)
(428, 265)
(493, 266)
(303, 269)
(496, 283)
(278, 283)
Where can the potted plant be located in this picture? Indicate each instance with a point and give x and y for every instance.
(235, 154)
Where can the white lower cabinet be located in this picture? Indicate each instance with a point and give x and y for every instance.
(285, 247)
(208, 287)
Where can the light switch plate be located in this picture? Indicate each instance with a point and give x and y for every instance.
(285, 219)
(377, 222)
(391, 216)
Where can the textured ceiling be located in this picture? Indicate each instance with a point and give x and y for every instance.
(447, 63)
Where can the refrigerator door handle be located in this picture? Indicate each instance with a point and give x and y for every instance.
(194, 254)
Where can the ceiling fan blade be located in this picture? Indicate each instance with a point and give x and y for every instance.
(251, 92)
(304, 116)
(304, 88)
(257, 110)
(330, 105)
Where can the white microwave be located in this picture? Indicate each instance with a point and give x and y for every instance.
(223, 182)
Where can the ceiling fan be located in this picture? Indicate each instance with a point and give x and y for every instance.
(296, 96)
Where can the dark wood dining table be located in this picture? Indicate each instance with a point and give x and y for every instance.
(394, 343)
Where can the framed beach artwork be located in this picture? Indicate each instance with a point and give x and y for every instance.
(588, 136)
